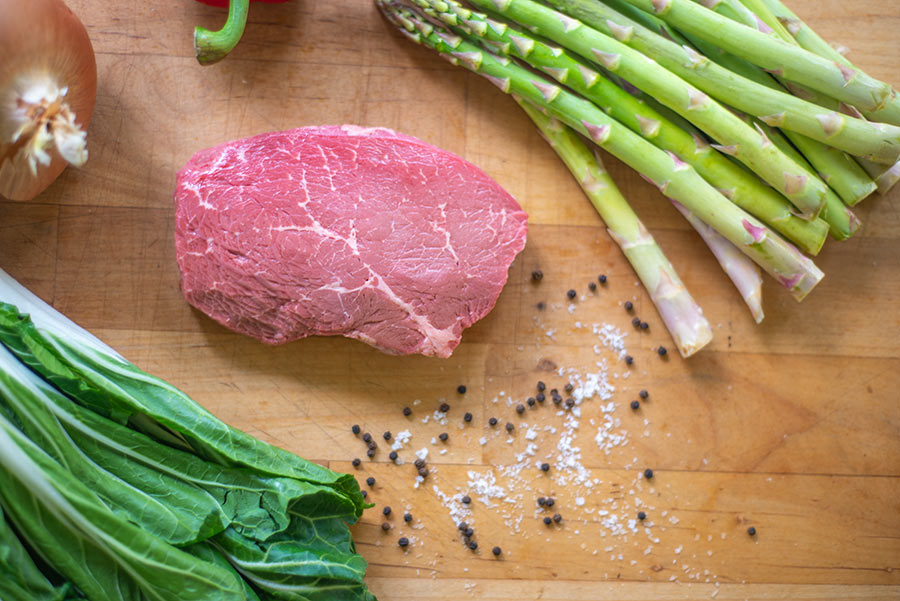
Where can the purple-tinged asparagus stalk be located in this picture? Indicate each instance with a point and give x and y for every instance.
(742, 271)
(683, 317)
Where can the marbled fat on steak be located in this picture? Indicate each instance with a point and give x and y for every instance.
(364, 233)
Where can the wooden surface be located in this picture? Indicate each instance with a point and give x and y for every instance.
(792, 426)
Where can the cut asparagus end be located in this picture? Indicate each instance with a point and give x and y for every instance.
(212, 46)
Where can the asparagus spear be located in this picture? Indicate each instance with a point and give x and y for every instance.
(744, 189)
(682, 316)
(802, 34)
(881, 142)
(672, 176)
(742, 271)
(840, 81)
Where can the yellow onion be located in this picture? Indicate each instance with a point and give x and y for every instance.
(48, 85)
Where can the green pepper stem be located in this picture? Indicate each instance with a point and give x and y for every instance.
(212, 46)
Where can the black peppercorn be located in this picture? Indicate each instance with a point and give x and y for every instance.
(569, 387)
(601, 278)
(648, 473)
(629, 305)
(496, 551)
(662, 351)
(545, 467)
(642, 516)
(541, 386)
(466, 500)
(557, 518)
(541, 397)
(537, 275)
(356, 462)
(370, 481)
(461, 389)
(407, 517)
(548, 520)
(644, 325)
(592, 286)
(407, 411)
(541, 306)
(387, 435)
(423, 471)
(473, 545)
(550, 502)
(355, 429)
(530, 400)
(419, 463)
(557, 399)
(510, 427)
(643, 394)
(469, 532)
(570, 402)
(444, 408)
(571, 294)
(373, 445)
(364, 494)
(629, 359)
(493, 421)
(385, 526)
(403, 542)
(367, 437)
(393, 456)
(635, 405)
(636, 322)
(467, 417)
(462, 526)
(751, 531)
(541, 501)
(443, 436)
(520, 408)
(370, 453)
(386, 510)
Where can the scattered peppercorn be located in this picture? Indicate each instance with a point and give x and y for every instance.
(355, 429)
(541, 501)
(570, 402)
(473, 545)
(387, 435)
(629, 359)
(662, 351)
(510, 427)
(629, 305)
(407, 517)
(367, 437)
(520, 408)
(569, 387)
(541, 386)
(370, 453)
(530, 400)
(751, 531)
(537, 275)
(550, 502)
(370, 481)
(466, 500)
(496, 551)
(469, 532)
(444, 408)
(393, 456)
(557, 399)
(635, 405)
(557, 518)
(601, 278)
(571, 294)
(592, 286)
(462, 526)
(423, 471)
(541, 306)
(642, 516)
(636, 322)
(372, 445)
(419, 463)
(648, 473)
(385, 526)
(548, 520)
(467, 417)
(644, 325)
(386, 510)
(643, 394)
(545, 467)
(364, 494)
(407, 411)
(461, 389)
(356, 462)
(493, 421)
(403, 542)
(443, 436)
(541, 397)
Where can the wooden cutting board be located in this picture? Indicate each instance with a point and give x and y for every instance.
(792, 426)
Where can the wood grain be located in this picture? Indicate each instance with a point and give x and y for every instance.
(792, 426)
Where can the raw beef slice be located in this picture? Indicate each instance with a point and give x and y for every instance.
(364, 233)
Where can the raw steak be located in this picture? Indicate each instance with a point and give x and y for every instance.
(364, 233)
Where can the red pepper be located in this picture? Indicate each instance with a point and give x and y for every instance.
(224, 3)
(212, 46)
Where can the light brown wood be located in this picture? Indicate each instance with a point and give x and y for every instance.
(792, 426)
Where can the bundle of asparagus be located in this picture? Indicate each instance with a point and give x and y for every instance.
(759, 132)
